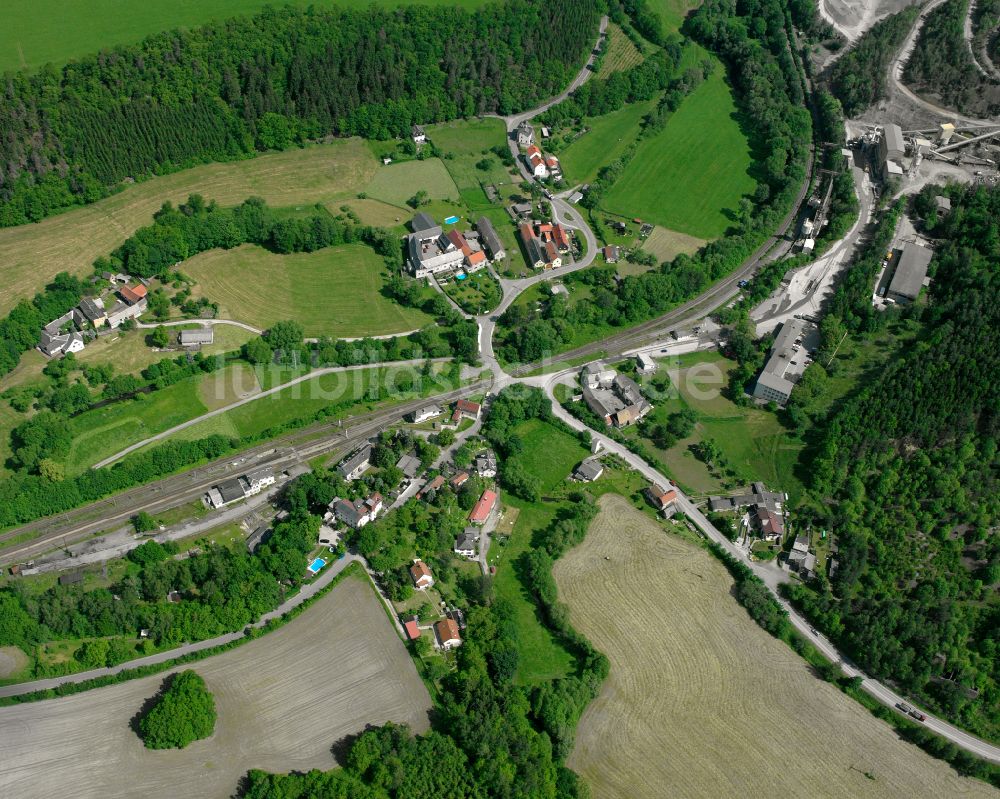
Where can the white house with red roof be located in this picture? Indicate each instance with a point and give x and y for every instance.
(446, 633)
(421, 575)
(484, 507)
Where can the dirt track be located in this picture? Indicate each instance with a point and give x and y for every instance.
(282, 702)
(703, 703)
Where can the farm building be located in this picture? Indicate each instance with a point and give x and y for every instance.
(197, 337)
(769, 524)
(429, 250)
(90, 310)
(421, 575)
(661, 498)
(483, 508)
(447, 635)
(614, 397)
(757, 495)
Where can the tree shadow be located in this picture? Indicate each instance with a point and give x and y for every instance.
(136, 720)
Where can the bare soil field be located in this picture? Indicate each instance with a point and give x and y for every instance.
(700, 701)
(283, 701)
(668, 244)
(32, 254)
(853, 17)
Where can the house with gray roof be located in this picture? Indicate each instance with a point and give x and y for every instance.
(197, 337)
(490, 239)
(911, 270)
(357, 464)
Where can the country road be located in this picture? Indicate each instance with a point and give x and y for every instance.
(693, 310)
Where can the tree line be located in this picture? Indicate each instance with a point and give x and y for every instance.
(281, 77)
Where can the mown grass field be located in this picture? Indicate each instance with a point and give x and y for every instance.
(33, 254)
(700, 701)
(396, 183)
(466, 143)
(621, 53)
(35, 33)
(282, 701)
(336, 291)
(668, 244)
(548, 452)
(609, 136)
(689, 174)
(672, 12)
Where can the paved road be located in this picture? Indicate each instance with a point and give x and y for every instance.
(315, 373)
(293, 601)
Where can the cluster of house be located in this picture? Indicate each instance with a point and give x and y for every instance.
(544, 243)
(431, 250)
(237, 488)
(765, 514)
(612, 396)
(64, 334)
(446, 631)
(463, 409)
(539, 164)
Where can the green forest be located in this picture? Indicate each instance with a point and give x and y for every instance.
(270, 81)
(182, 714)
(942, 64)
(906, 476)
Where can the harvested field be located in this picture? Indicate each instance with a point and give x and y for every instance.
(282, 702)
(700, 701)
(668, 244)
(33, 254)
(397, 183)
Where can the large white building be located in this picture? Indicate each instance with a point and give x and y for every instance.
(429, 250)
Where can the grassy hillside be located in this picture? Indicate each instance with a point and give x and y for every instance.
(33, 254)
(35, 33)
(689, 174)
(335, 291)
(608, 137)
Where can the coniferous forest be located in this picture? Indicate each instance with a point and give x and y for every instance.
(70, 135)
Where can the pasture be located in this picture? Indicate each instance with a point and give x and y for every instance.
(700, 701)
(336, 291)
(689, 175)
(672, 12)
(549, 453)
(36, 33)
(608, 137)
(33, 254)
(396, 183)
(283, 701)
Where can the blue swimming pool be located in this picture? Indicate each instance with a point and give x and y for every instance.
(450, 220)
(461, 276)
(316, 565)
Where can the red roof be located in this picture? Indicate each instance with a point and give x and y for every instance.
(476, 257)
(412, 631)
(466, 406)
(527, 234)
(419, 571)
(533, 150)
(138, 289)
(447, 630)
(661, 497)
(560, 235)
(130, 296)
(484, 506)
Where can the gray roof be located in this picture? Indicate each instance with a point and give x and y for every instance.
(92, 309)
(894, 139)
(201, 335)
(409, 465)
(468, 539)
(490, 237)
(231, 490)
(263, 473)
(589, 469)
(363, 455)
(422, 222)
(911, 271)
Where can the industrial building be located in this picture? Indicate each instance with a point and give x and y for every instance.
(911, 271)
(789, 358)
(891, 151)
